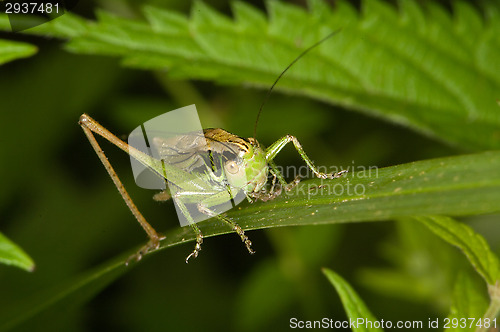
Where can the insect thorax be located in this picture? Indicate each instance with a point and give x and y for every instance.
(244, 162)
(257, 169)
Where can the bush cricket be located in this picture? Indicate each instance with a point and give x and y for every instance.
(243, 161)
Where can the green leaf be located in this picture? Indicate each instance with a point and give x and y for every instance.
(409, 65)
(353, 305)
(468, 301)
(12, 254)
(473, 245)
(461, 185)
(65, 26)
(10, 50)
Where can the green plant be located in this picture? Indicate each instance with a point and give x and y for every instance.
(411, 65)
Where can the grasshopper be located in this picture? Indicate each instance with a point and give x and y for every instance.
(246, 169)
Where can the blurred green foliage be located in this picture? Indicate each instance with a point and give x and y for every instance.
(11, 254)
(58, 204)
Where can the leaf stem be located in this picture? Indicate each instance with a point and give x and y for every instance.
(494, 307)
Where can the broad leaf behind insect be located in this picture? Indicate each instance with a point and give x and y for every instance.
(192, 161)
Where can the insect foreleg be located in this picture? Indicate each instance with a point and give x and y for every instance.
(276, 147)
(276, 173)
(89, 126)
(273, 186)
(288, 186)
(273, 192)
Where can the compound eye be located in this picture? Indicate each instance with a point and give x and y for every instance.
(232, 167)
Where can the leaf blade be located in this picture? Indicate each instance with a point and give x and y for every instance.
(472, 172)
(473, 245)
(467, 301)
(379, 65)
(12, 254)
(10, 50)
(353, 304)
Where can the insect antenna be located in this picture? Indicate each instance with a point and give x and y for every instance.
(284, 71)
